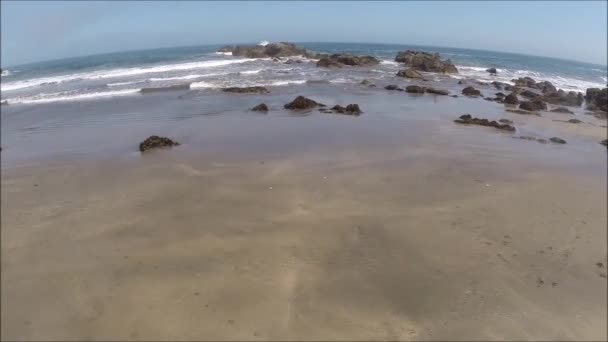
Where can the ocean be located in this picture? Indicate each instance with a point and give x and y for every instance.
(125, 73)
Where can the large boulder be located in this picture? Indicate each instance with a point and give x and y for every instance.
(511, 99)
(545, 87)
(470, 91)
(302, 102)
(533, 105)
(347, 59)
(409, 73)
(154, 141)
(425, 61)
(262, 107)
(597, 99)
(530, 94)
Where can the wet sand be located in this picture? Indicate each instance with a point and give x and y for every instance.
(396, 225)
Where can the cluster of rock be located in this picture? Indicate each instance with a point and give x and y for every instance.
(409, 73)
(424, 61)
(340, 60)
(282, 49)
(597, 99)
(549, 92)
(351, 109)
(467, 119)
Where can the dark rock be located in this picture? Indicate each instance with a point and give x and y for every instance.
(507, 121)
(561, 110)
(393, 87)
(409, 73)
(604, 142)
(492, 71)
(302, 102)
(533, 105)
(437, 91)
(530, 94)
(597, 99)
(425, 61)
(337, 60)
(524, 82)
(500, 85)
(292, 61)
(282, 49)
(546, 87)
(155, 141)
(351, 109)
(262, 107)
(468, 120)
(246, 90)
(328, 63)
(511, 99)
(527, 137)
(501, 95)
(558, 140)
(461, 82)
(415, 89)
(470, 91)
(574, 121)
(365, 82)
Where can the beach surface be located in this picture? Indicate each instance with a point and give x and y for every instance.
(398, 224)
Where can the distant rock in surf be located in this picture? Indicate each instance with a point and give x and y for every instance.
(176, 87)
(339, 60)
(302, 102)
(262, 107)
(492, 71)
(246, 90)
(154, 141)
(282, 49)
(424, 61)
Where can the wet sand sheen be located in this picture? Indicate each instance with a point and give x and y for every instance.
(350, 244)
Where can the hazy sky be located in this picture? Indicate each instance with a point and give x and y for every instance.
(34, 31)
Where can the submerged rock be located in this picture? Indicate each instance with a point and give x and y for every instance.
(302, 102)
(561, 110)
(533, 105)
(154, 141)
(246, 90)
(467, 119)
(558, 140)
(409, 73)
(328, 63)
(351, 109)
(470, 91)
(425, 61)
(437, 91)
(393, 87)
(492, 71)
(415, 89)
(262, 107)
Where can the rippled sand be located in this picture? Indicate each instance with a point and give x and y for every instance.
(395, 225)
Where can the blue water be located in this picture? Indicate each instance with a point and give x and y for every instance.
(120, 74)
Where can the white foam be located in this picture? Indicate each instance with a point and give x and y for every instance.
(5, 73)
(248, 72)
(229, 53)
(283, 83)
(118, 84)
(186, 77)
(263, 43)
(388, 62)
(61, 97)
(200, 85)
(102, 74)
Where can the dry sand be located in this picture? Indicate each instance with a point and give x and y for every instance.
(398, 244)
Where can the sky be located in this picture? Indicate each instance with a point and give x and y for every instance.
(34, 31)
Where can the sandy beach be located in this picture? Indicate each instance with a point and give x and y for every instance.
(395, 225)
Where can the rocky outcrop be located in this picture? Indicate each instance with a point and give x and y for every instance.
(155, 141)
(528, 82)
(511, 99)
(492, 71)
(302, 102)
(425, 61)
(393, 87)
(597, 99)
(246, 90)
(415, 89)
(409, 73)
(282, 49)
(470, 91)
(530, 94)
(468, 120)
(338, 60)
(561, 110)
(262, 107)
(560, 97)
(533, 105)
